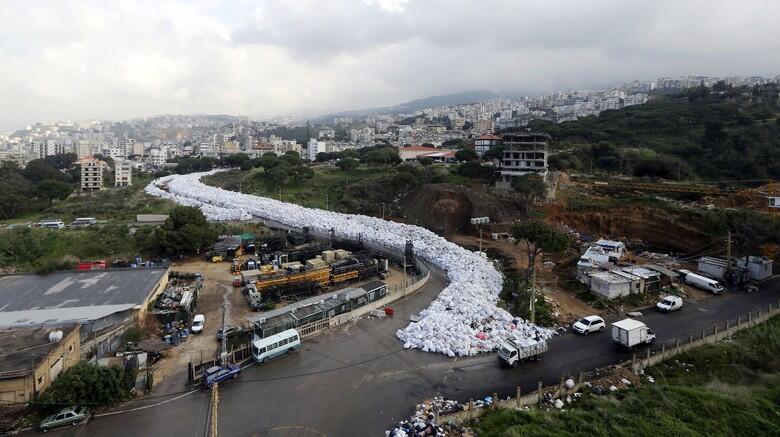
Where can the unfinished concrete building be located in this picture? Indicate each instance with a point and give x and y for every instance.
(524, 153)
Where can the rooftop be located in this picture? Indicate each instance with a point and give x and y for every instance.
(78, 289)
(20, 346)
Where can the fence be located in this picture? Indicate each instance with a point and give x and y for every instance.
(236, 355)
(718, 332)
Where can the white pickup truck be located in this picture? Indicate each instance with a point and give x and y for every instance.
(511, 353)
(630, 333)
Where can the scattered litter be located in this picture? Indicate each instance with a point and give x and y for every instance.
(625, 381)
(569, 383)
(558, 404)
(612, 388)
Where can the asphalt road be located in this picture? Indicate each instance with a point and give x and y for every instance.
(357, 381)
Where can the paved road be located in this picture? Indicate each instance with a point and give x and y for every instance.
(302, 394)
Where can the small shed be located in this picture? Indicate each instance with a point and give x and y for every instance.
(759, 267)
(610, 284)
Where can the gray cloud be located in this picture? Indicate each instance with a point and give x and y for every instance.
(68, 59)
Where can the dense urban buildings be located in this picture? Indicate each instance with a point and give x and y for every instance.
(147, 144)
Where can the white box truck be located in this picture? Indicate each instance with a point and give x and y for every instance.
(510, 353)
(630, 333)
(702, 282)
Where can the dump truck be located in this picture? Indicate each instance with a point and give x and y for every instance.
(630, 333)
(511, 354)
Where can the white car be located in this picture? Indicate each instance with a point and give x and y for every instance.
(669, 304)
(197, 323)
(588, 324)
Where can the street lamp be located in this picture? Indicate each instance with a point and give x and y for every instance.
(479, 221)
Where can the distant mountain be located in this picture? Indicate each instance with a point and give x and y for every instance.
(417, 105)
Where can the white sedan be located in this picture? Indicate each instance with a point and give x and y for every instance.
(588, 324)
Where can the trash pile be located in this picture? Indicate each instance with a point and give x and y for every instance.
(424, 420)
(462, 320)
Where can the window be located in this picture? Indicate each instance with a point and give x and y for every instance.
(295, 338)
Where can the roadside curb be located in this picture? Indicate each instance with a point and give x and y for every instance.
(144, 407)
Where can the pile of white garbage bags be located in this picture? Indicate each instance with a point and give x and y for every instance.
(462, 320)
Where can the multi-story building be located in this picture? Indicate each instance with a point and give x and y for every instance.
(314, 148)
(91, 174)
(483, 143)
(524, 153)
(123, 173)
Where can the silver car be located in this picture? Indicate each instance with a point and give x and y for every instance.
(66, 416)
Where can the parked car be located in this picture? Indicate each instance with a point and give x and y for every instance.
(66, 416)
(588, 324)
(669, 304)
(702, 282)
(216, 374)
(227, 332)
(197, 323)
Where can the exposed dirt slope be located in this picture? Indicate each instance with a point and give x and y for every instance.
(436, 206)
(656, 227)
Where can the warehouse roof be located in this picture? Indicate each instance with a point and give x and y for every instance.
(20, 346)
(78, 289)
(59, 315)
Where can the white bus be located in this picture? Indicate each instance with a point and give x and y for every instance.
(265, 349)
(84, 221)
(51, 224)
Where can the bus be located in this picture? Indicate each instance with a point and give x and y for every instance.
(84, 221)
(266, 349)
(51, 224)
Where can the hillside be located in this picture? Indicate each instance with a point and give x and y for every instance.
(417, 104)
(706, 134)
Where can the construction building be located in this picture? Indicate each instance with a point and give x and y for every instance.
(33, 357)
(123, 173)
(623, 281)
(524, 153)
(91, 174)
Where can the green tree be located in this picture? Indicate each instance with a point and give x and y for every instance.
(278, 176)
(39, 170)
(235, 160)
(90, 384)
(185, 232)
(529, 187)
(347, 164)
(426, 161)
(538, 238)
(269, 160)
(54, 190)
(466, 155)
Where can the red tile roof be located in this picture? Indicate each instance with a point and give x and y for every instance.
(488, 137)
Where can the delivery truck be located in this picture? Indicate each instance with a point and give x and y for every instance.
(510, 353)
(630, 333)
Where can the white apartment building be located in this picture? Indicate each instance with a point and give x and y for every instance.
(123, 173)
(91, 174)
(157, 157)
(314, 148)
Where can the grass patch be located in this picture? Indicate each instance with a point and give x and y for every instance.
(726, 389)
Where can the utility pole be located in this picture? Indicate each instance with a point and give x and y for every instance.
(728, 255)
(383, 210)
(327, 202)
(532, 308)
(223, 354)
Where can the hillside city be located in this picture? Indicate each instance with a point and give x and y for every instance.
(149, 143)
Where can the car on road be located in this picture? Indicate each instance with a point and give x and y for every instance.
(215, 374)
(669, 303)
(588, 324)
(197, 323)
(227, 332)
(66, 416)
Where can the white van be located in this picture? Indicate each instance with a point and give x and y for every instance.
(265, 349)
(669, 303)
(197, 323)
(702, 282)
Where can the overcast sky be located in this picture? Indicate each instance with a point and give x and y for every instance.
(102, 59)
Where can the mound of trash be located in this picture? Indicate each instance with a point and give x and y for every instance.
(462, 320)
